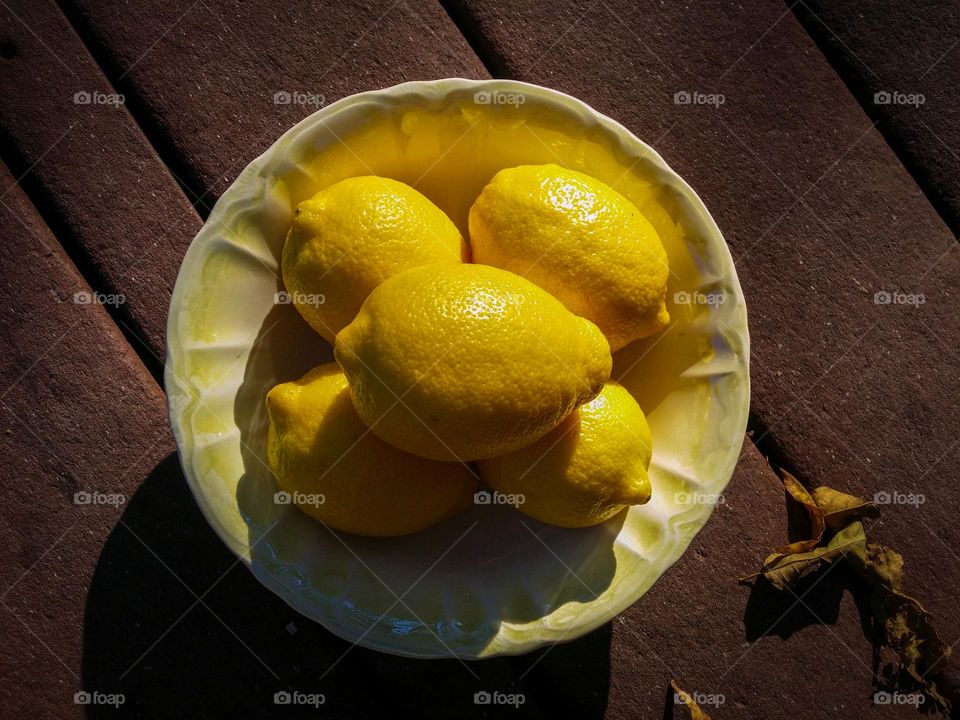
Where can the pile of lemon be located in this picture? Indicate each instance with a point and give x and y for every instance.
(459, 362)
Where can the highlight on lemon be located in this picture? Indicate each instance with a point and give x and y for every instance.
(580, 240)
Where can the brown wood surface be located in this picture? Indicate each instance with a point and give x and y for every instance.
(819, 214)
(884, 58)
(72, 392)
(96, 177)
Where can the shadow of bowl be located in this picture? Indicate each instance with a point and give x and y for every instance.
(147, 636)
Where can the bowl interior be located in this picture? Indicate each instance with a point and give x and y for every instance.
(491, 580)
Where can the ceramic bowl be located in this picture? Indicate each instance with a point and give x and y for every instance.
(491, 581)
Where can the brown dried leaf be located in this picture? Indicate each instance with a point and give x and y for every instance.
(695, 712)
(799, 493)
(878, 565)
(907, 626)
(785, 569)
(840, 509)
(908, 630)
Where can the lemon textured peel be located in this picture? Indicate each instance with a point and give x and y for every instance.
(338, 472)
(353, 235)
(468, 361)
(580, 240)
(585, 471)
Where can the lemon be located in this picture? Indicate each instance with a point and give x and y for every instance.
(586, 470)
(350, 237)
(468, 361)
(580, 240)
(340, 473)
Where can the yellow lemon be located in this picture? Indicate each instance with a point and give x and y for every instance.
(580, 240)
(340, 473)
(350, 237)
(586, 470)
(468, 361)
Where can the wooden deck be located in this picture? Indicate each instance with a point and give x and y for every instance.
(826, 192)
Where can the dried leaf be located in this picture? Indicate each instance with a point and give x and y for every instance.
(907, 626)
(840, 509)
(878, 565)
(785, 569)
(799, 493)
(908, 630)
(695, 712)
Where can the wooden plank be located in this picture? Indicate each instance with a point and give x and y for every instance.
(90, 168)
(81, 415)
(820, 216)
(902, 62)
(206, 73)
(103, 597)
(96, 176)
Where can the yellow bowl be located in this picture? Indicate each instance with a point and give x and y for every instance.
(491, 581)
